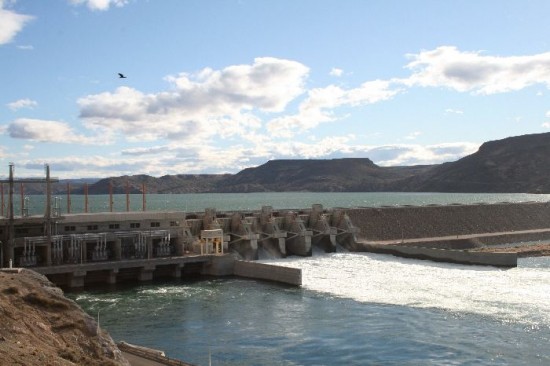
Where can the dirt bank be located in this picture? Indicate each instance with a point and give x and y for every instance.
(41, 327)
(537, 250)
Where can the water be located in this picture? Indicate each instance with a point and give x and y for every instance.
(278, 200)
(353, 308)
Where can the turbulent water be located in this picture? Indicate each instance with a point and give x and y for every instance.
(353, 308)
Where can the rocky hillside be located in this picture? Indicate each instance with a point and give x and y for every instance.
(336, 175)
(42, 327)
(515, 164)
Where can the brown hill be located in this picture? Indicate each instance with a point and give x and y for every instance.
(336, 175)
(514, 164)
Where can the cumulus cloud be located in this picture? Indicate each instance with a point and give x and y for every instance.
(46, 131)
(257, 107)
(100, 5)
(336, 72)
(199, 105)
(546, 125)
(22, 103)
(475, 72)
(407, 154)
(318, 106)
(11, 23)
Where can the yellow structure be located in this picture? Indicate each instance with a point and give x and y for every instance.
(211, 241)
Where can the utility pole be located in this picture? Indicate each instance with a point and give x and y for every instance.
(8, 251)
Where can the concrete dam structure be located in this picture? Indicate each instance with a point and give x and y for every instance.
(108, 247)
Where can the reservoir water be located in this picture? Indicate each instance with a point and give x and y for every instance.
(353, 309)
(278, 200)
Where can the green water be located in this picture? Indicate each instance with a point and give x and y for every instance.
(193, 202)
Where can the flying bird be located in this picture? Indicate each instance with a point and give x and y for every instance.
(121, 76)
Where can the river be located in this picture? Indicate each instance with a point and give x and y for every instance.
(353, 308)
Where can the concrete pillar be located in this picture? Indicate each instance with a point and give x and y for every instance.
(118, 249)
(84, 252)
(176, 270)
(49, 254)
(180, 246)
(149, 242)
(282, 245)
(111, 277)
(76, 279)
(146, 273)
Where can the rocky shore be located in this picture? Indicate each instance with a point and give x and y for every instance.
(40, 326)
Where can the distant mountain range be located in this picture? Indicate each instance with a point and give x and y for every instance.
(515, 164)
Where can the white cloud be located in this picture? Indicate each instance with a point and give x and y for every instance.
(208, 103)
(47, 131)
(449, 67)
(547, 114)
(401, 155)
(11, 23)
(100, 5)
(336, 72)
(317, 108)
(453, 111)
(413, 135)
(546, 125)
(26, 47)
(22, 103)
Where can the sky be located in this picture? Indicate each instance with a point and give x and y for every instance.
(216, 86)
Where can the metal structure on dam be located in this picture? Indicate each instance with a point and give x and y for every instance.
(78, 248)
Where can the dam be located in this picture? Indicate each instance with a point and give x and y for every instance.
(76, 249)
(108, 247)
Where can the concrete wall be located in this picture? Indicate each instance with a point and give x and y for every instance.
(446, 255)
(387, 223)
(223, 265)
(262, 271)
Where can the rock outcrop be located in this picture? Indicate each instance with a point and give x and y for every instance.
(42, 327)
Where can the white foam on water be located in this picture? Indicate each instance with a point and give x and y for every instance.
(515, 295)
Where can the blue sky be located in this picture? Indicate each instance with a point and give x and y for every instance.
(219, 86)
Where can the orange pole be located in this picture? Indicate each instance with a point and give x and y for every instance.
(110, 196)
(144, 201)
(86, 197)
(68, 197)
(127, 196)
(22, 191)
